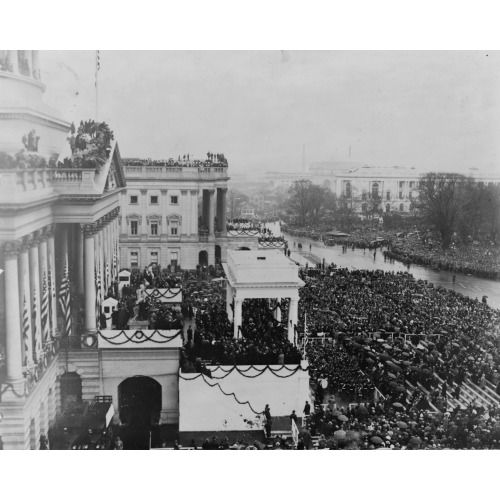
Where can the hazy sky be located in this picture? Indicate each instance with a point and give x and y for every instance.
(429, 110)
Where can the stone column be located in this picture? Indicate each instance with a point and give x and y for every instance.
(102, 268)
(27, 57)
(105, 260)
(51, 257)
(194, 213)
(79, 280)
(35, 293)
(25, 293)
(14, 61)
(89, 232)
(229, 301)
(223, 220)
(238, 303)
(35, 54)
(43, 261)
(184, 213)
(164, 212)
(144, 204)
(205, 207)
(211, 211)
(292, 319)
(12, 313)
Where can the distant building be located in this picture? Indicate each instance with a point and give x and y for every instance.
(174, 213)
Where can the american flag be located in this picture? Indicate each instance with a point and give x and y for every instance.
(114, 264)
(65, 302)
(106, 276)
(45, 310)
(35, 329)
(52, 296)
(26, 333)
(97, 293)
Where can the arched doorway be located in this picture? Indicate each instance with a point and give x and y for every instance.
(218, 254)
(139, 401)
(203, 258)
(71, 388)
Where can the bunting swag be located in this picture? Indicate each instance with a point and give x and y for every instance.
(65, 301)
(223, 392)
(138, 337)
(45, 310)
(252, 367)
(26, 333)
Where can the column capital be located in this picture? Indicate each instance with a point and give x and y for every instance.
(163, 191)
(34, 239)
(143, 191)
(50, 230)
(25, 244)
(194, 192)
(11, 249)
(89, 230)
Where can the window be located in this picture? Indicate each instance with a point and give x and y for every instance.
(401, 195)
(412, 184)
(154, 200)
(401, 184)
(348, 189)
(154, 257)
(375, 190)
(401, 208)
(134, 200)
(154, 228)
(134, 259)
(174, 257)
(174, 200)
(174, 226)
(133, 227)
(388, 196)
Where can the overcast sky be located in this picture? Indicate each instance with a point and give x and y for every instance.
(429, 110)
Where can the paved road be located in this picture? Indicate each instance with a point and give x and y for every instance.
(470, 286)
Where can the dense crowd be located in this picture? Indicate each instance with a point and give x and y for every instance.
(479, 259)
(242, 224)
(213, 159)
(264, 341)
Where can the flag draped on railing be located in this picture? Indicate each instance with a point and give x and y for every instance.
(45, 310)
(26, 333)
(65, 302)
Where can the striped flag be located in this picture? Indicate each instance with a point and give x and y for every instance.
(26, 332)
(106, 276)
(65, 302)
(306, 333)
(114, 264)
(52, 296)
(45, 310)
(35, 329)
(97, 293)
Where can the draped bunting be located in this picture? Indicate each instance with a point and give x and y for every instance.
(139, 337)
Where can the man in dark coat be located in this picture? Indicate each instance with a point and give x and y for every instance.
(122, 319)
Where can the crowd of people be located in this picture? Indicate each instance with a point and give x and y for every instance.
(213, 159)
(478, 259)
(242, 224)
(263, 339)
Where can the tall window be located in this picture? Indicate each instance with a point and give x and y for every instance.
(174, 257)
(133, 227)
(154, 257)
(401, 195)
(388, 197)
(134, 259)
(174, 226)
(375, 190)
(154, 228)
(348, 189)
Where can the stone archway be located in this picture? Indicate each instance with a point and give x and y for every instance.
(139, 400)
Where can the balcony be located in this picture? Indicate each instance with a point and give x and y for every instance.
(176, 173)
